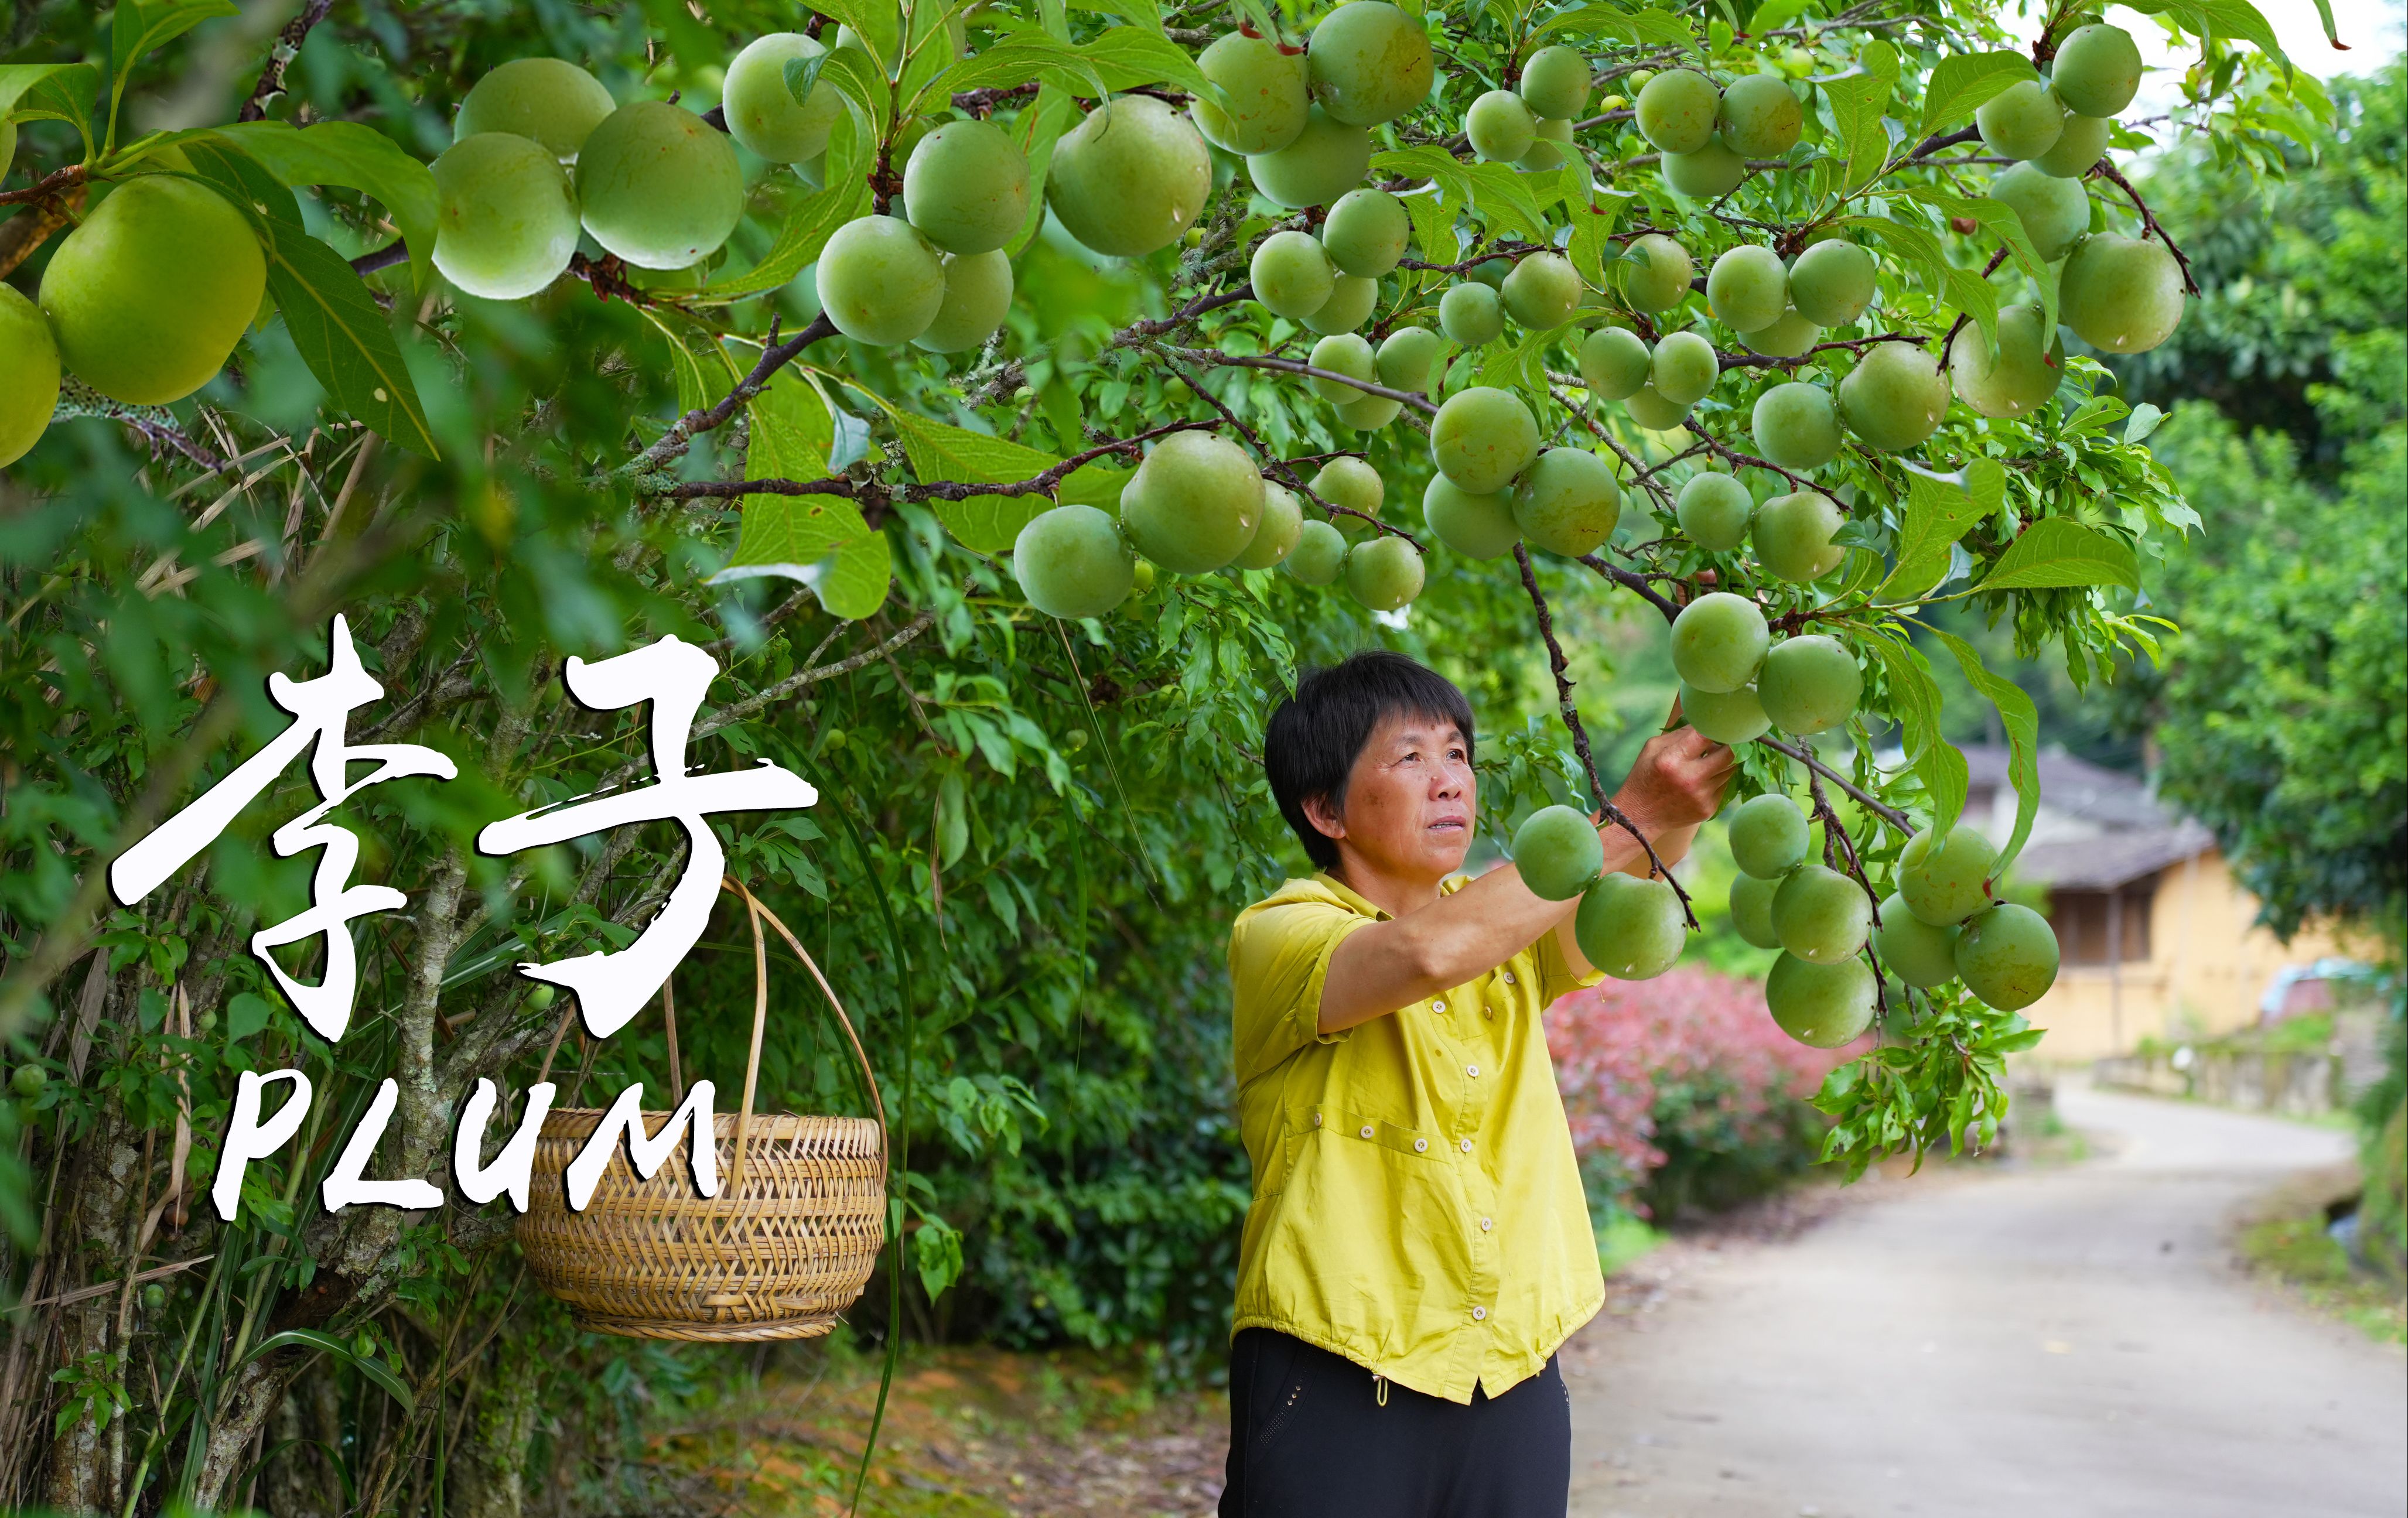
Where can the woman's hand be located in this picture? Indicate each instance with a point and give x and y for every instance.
(1678, 782)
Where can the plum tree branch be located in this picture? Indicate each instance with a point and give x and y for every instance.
(775, 355)
(279, 58)
(2150, 226)
(1879, 808)
(1212, 358)
(1570, 712)
(1041, 483)
(1273, 462)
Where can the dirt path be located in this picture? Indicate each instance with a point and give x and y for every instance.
(2066, 1342)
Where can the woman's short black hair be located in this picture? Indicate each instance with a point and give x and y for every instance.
(1316, 735)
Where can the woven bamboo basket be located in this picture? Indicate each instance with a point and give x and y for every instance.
(783, 1249)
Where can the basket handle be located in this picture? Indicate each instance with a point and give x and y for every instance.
(754, 912)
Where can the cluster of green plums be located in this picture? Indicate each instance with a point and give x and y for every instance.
(1939, 924)
(1197, 504)
(1631, 926)
(1737, 683)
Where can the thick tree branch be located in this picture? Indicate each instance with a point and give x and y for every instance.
(279, 58)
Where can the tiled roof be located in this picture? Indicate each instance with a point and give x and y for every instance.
(2075, 787)
(2110, 859)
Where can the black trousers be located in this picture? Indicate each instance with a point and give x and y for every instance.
(1310, 1439)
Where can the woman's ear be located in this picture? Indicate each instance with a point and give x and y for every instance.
(1325, 819)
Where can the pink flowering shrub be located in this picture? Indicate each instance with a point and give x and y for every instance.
(1683, 1092)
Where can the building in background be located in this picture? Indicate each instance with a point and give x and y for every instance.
(2158, 939)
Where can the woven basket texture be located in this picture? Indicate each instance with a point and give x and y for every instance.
(777, 1255)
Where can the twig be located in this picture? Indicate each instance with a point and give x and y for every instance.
(1560, 667)
(1836, 839)
(2150, 226)
(1214, 358)
(1631, 581)
(794, 682)
(775, 355)
(56, 182)
(279, 58)
(1273, 463)
(935, 489)
(1805, 755)
(1963, 317)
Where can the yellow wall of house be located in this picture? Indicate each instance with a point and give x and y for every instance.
(2209, 965)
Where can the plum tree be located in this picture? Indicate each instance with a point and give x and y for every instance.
(1946, 877)
(549, 99)
(1725, 716)
(1347, 353)
(1385, 573)
(1366, 232)
(2121, 294)
(1683, 370)
(1821, 915)
(1832, 282)
(1406, 357)
(1747, 289)
(1678, 109)
(2022, 121)
(1821, 1006)
(1481, 438)
(2025, 372)
(1793, 537)
(1072, 562)
(1751, 909)
(1475, 526)
(1718, 642)
(1894, 398)
(1713, 509)
(146, 297)
(1795, 426)
(1557, 853)
(1193, 505)
(1615, 363)
(1792, 336)
(1760, 116)
(2083, 143)
(1630, 927)
(1328, 159)
(1370, 63)
(2096, 70)
(879, 281)
(1809, 684)
(1291, 273)
(978, 297)
(1541, 293)
(1129, 178)
(1499, 126)
(29, 373)
(1556, 83)
(1277, 533)
(1656, 273)
(1567, 502)
(1268, 91)
(1713, 171)
(504, 218)
(657, 186)
(966, 187)
(762, 115)
(1353, 484)
(1652, 409)
(1319, 554)
(1910, 947)
(1768, 835)
(2007, 956)
(2055, 212)
(1348, 305)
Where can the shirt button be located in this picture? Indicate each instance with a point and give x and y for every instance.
(1473, 1071)
(1509, 977)
(1421, 1146)
(1438, 1006)
(1486, 1224)
(1467, 1146)
(1480, 1314)
(1316, 1120)
(1367, 1130)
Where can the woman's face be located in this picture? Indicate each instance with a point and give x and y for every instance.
(1409, 799)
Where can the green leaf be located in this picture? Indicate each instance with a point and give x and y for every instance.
(2055, 553)
(245, 182)
(1916, 697)
(1518, 366)
(806, 230)
(793, 434)
(940, 453)
(139, 25)
(1965, 82)
(1858, 101)
(1126, 56)
(854, 585)
(2021, 721)
(246, 1015)
(2220, 18)
(1936, 514)
(1650, 26)
(1029, 57)
(2145, 418)
(355, 157)
(345, 339)
(49, 91)
(366, 1365)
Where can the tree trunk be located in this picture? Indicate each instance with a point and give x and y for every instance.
(257, 1391)
(493, 1451)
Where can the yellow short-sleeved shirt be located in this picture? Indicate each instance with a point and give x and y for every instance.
(1417, 1207)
